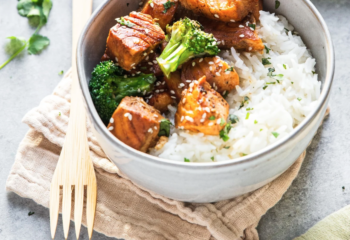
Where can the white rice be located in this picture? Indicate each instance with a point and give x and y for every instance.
(277, 109)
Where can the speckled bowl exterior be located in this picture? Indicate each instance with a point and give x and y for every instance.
(209, 182)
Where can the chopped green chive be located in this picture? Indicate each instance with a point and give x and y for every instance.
(212, 158)
(284, 66)
(212, 118)
(275, 134)
(30, 213)
(229, 69)
(271, 83)
(299, 99)
(313, 72)
(227, 147)
(222, 122)
(247, 116)
(265, 61)
(277, 4)
(255, 122)
(243, 102)
(122, 21)
(61, 73)
(164, 129)
(59, 113)
(292, 82)
(167, 5)
(270, 73)
(264, 87)
(267, 49)
(244, 154)
(251, 25)
(224, 132)
(187, 160)
(233, 118)
(261, 129)
(248, 109)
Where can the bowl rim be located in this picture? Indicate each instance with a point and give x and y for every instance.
(122, 147)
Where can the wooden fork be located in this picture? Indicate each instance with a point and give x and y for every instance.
(74, 169)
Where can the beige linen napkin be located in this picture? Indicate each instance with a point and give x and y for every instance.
(123, 209)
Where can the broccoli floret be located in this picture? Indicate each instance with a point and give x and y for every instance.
(108, 87)
(187, 40)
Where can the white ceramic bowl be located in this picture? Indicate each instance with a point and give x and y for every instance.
(209, 182)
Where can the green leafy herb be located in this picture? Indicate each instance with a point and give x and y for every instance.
(124, 22)
(261, 129)
(187, 160)
(292, 82)
(244, 154)
(286, 30)
(224, 132)
(222, 122)
(255, 122)
(313, 72)
(271, 71)
(271, 83)
(265, 61)
(229, 69)
(164, 129)
(264, 87)
(299, 99)
(248, 109)
(251, 25)
(37, 12)
(277, 4)
(343, 188)
(59, 113)
(30, 213)
(244, 102)
(212, 158)
(167, 5)
(225, 93)
(267, 49)
(233, 118)
(37, 43)
(284, 66)
(61, 73)
(247, 115)
(227, 147)
(275, 134)
(212, 117)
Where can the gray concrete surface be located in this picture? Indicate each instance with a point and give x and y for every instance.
(315, 193)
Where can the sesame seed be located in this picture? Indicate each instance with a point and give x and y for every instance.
(204, 115)
(116, 59)
(155, 127)
(184, 100)
(206, 109)
(211, 62)
(157, 91)
(223, 42)
(151, 4)
(144, 54)
(140, 3)
(188, 118)
(224, 92)
(242, 35)
(188, 81)
(138, 72)
(151, 51)
(132, 64)
(133, 75)
(150, 96)
(227, 72)
(182, 118)
(158, 83)
(150, 63)
(232, 20)
(200, 60)
(210, 68)
(110, 128)
(181, 85)
(128, 115)
(252, 29)
(150, 130)
(111, 120)
(241, 26)
(193, 64)
(217, 16)
(133, 67)
(214, 84)
(146, 30)
(200, 100)
(147, 58)
(161, 90)
(125, 76)
(155, 115)
(218, 121)
(218, 74)
(172, 91)
(139, 90)
(218, 42)
(211, 124)
(173, 97)
(202, 120)
(163, 82)
(155, 61)
(144, 92)
(250, 48)
(151, 69)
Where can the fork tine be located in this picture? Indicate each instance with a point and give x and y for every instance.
(91, 200)
(54, 204)
(78, 205)
(66, 207)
